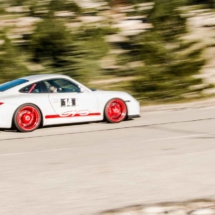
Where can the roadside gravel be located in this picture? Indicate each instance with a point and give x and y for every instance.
(188, 105)
(195, 207)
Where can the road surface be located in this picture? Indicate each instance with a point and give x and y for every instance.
(87, 168)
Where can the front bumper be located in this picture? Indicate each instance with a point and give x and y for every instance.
(133, 108)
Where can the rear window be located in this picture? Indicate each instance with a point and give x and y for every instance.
(11, 84)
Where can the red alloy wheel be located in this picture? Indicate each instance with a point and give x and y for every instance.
(27, 118)
(115, 110)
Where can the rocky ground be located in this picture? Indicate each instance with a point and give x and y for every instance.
(195, 207)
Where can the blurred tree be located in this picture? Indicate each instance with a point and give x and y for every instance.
(164, 63)
(169, 63)
(76, 54)
(47, 8)
(167, 20)
(209, 3)
(125, 2)
(86, 51)
(169, 69)
(49, 40)
(59, 5)
(17, 2)
(12, 60)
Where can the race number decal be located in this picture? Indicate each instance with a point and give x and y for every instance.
(68, 102)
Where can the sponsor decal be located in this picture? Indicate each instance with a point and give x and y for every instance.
(73, 113)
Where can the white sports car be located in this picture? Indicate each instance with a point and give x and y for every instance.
(40, 100)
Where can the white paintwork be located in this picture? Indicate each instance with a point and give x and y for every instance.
(88, 101)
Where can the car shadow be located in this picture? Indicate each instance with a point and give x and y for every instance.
(8, 130)
(64, 125)
(60, 125)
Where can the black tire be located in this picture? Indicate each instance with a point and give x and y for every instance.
(27, 118)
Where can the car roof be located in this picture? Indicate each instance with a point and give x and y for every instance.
(43, 76)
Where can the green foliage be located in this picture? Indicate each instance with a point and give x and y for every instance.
(169, 63)
(59, 5)
(167, 75)
(46, 8)
(209, 3)
(11, 60)
(154, 86)
(166, 19)
(17, 2)
(82, 60)
(125, 2)
(49, 40)
(72, 53)
(166, 65)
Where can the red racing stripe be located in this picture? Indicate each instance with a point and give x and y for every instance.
(71, 115)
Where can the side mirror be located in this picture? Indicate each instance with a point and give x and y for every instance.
(82, 90)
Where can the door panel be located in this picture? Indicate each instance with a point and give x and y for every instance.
(74, 104)
(69, 103)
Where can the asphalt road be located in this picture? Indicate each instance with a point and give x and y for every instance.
(84, 169)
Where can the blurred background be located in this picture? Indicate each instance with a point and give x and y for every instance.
(159, 51)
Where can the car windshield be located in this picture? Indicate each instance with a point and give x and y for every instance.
(11, 84)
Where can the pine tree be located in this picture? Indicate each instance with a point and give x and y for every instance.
(208, 3)
(76, 53)
(169, 63)
(59, 5)
(12, 60)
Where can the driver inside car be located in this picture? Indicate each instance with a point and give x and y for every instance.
(52, 89)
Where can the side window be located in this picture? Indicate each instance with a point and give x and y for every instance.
(32, 88)
(61, 86)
